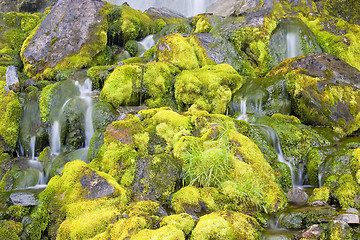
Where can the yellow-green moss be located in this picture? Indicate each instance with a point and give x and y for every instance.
(183, 222)
(45, 103)
(226, 225)
(10, 230)
(183, 52)
(122, 87)
(209, 88)
(320, 194)
(163, 233)
(201, 24)
(10, 114)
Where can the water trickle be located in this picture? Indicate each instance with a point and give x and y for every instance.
(55, 144)
(148, 42)
(35, 163)
(293, 42)
(243, 114)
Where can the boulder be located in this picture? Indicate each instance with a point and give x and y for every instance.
(325, 91)
(312, 232)
(12, 79)
(66, 39)
(96, 186)
(164, 12)
(297, 196)
(23, 198)
(349, 218)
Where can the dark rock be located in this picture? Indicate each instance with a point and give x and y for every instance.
(313, 232)
(64, 33)
(23, 199)
(156, 178)
(12, 79)
(349, 218)
(164, 12)
(103, 114)
(29, 82)
(297, 196)
(96, 186)
(25, 5)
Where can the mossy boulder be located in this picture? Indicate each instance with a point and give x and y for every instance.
(324, 91)
(10, 114)
(98, 75)
(182, 26)
(69, 198)
(183, 52)
(209, 88)
(226, 225)
(49, 48)
(10, 230)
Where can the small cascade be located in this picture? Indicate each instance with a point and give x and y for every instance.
(35, 163)
(55, 144)
(243, 114)
(273, 137)
(293, 42)
(148, 42)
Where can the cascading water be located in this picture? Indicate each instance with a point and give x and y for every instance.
(292, 42)
(243, 114)
(35, 163)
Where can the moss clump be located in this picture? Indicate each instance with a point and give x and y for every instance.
(209, 88)
(10, 114)
(45, 102)
(183, 52)
(158, 81)
(98, 75)
(201, 24)
(226, 225)
(122, 87)
(320, 194)
(183, 221)
(132, 47)
(10, 230)
(17, 212)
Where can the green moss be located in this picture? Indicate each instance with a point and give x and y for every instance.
(201, 24)
(226, 225)
(98, 75)
(132, 47)
(347, 191)
(186, 197)
(14, 38)
(183, 52)
(45, 102)
(10, 114)
(166, 233)
(10, 230)
(17, 212)
(320, 194)
(122, 87)
(282, 175)
(183, 222)
(209, 88)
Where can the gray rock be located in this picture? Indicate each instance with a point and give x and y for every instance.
(297, 196)
(12, 79)
(318, 203)
(313, 232)
(239, 7)
(349, 218)
(164, 12)
(63, 33)
(352, 210)
(97, 187)
(23, 199)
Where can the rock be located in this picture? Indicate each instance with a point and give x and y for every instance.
(331, 94)
(164, 12)
(96, 186)
(66, 39)
(29, 82)
(318, 203)
(297, 196)
(25, 5)
(24, 199)
(238, 7)
(12, 79)
(349, 218)
(352, 210)
(313, 232)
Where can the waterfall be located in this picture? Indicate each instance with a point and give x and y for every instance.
(148, 42)
(35, 163)
(293, 41)
(243, 115)
(55, 144)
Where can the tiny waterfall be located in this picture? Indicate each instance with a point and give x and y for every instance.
(148, 42)
(55, 144)
(243, 114)
(292, 42)
(35, 163)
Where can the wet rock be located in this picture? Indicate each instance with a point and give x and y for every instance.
(96, 186)
(352, 210)
(29, 82)
(25, 5)
(64, 34)
(164, 12)
(12, 79)
(313, 232)
(349, 218)
(298, 196)
(318, 203)
(238, 7)
(23, 199)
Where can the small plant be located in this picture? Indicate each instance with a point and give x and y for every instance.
(208, 167)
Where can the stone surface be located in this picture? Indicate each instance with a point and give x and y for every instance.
(318, 203)
(352, 210)
(96, 186)
(313, 232)
(164, 12)
(238, 7)
(349, 218)
(23, 199)
(64, 33)
(12, 79)
(297, 196)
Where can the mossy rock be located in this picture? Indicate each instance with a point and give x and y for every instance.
(68, 198)
(209, 88)
(182, 26)
(183, 52)
(10, 230)
(98, 75)
(10, 114)
(226, 225)
(320, 194)
(203, 23)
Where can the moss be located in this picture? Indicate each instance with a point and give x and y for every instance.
(132, 47)
(181, 26)
(158, 78)
(282, 175)
(201, 24)
(17, 212)
(183, 52)
(320, 194)
(10, 230)
(347, 191)
(226, 225)
(45, 102)
(98, 75)
(209, 88)
(14, 38)
(166, 233)
(186, 197)
(122, 87)
(10, 114)
(183, 222)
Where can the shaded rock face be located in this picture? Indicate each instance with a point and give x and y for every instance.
(97, 186)
(325, 91)
(25, 5)
(63, 33)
